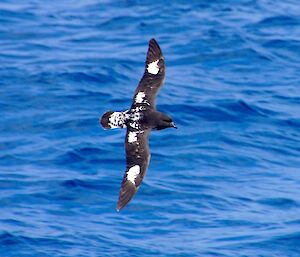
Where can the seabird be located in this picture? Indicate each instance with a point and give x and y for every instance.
(139, 120)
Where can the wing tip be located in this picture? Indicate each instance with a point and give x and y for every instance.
(154, 52)
(127, 192)
(120, 206)
(153, 41)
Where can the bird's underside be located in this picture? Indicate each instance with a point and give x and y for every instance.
(139, 120)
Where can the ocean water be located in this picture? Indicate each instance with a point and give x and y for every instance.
(226, 183)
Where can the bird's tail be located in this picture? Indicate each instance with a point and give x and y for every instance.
(111, 120)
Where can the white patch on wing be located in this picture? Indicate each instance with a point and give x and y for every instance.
(132, 137)
(153, 67)
(140, 97)
(132, 173)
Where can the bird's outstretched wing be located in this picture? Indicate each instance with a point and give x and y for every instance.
(137, 161)
(153, 77)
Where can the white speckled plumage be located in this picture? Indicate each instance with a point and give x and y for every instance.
(117, 119)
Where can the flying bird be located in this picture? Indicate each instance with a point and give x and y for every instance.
(139, 120)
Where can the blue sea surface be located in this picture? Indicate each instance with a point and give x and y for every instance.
(226, 183)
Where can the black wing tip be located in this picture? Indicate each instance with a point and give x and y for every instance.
(154, 52)
(153, 41)
(127, 192)
(120, 205)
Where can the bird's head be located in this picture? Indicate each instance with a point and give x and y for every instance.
(165, 122)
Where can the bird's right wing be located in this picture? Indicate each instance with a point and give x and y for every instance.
(137, 161)
(153, 77)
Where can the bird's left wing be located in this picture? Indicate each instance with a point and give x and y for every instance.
(137, 161)
(153, 77)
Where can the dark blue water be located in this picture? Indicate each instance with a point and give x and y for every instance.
(226, 183)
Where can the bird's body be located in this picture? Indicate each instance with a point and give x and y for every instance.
(139, 120)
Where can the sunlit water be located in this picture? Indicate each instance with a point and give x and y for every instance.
(226, 183)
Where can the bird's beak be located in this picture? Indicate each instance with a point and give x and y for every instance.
(173, 125)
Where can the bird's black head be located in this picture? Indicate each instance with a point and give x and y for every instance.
(165, 121)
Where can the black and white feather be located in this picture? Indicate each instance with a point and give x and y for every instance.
(153, 77)
(139, 120)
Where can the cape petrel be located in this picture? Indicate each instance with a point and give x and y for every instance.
(139, 120)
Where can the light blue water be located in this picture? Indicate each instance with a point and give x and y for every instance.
(226, 183)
